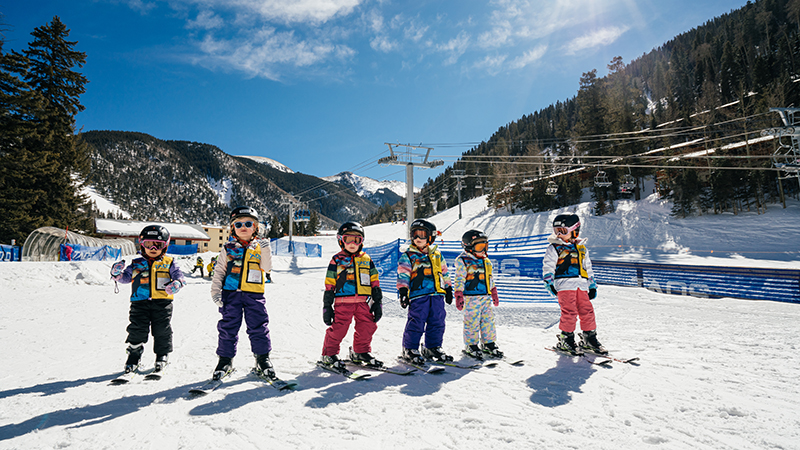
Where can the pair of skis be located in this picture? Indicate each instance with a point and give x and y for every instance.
(127, 377)
(216, 382)
(598, 359)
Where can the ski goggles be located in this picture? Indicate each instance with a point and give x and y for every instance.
(153, 244)
(420, 234)
(565, 231)
(480, 246)
(248, 224)
(351, 239)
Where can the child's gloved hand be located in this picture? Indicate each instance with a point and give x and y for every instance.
(217, 299)
(459, 300)
(174, 287)
(327, 308)
(550, 282)
(495, 298)
(117, 268)
(592, 288)
(376, 309)
(448, 295)
(402, 294)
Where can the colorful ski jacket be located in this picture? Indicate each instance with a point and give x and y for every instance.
(351, 277)
(241, 269)
(569, 263)
(149, 282)
(473, 275)
(422, 273)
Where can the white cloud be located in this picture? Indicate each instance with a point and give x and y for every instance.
(382, 44)
(455, 47)
(286, 11)
(493, 64)
(206, 20)
(597, 38)
(529, 57)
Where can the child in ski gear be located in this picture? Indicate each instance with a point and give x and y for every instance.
(155, 280)
(198, 265)
(210, 267)
(423, 287)
(352, 290)
(475, 293)
(238, 289)
(567, 273)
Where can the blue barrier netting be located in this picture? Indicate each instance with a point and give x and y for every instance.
(190, 249)
(77, 252)
(282, 247)
(9, 253)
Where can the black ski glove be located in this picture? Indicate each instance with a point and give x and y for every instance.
(402, 293)
(592, 294)
(377, 294)
(376, 309)
(327, 308)
(448, 295)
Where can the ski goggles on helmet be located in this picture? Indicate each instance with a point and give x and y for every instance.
(153, 244)
(351, 239)
(420, 234)
(565, 231)
(248, 224)
(480, 246)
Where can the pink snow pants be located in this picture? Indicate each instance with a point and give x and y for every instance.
(343, 315)
(576, 304)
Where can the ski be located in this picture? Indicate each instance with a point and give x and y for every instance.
(126, 377)
(156, 374)
(604, 362)
(274, 381)
(396, 371)
(211, 384)
(484, 362)
(427, 368)
(343, 371)
(455, 364)
(633, 361)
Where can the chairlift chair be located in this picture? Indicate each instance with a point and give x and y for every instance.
(552, 188)
(601, 179)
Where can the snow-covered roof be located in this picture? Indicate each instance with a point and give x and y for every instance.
(131, 228)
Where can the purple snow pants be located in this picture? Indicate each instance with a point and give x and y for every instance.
(425, 316)
(253, 307)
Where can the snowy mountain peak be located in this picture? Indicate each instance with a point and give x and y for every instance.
(269, 162)
(367, 187)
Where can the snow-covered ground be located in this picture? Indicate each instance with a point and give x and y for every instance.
(714, 374)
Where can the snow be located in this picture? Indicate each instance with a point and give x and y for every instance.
(129, 228)
(223, 188)
(103, 204)
(269, 162)
(714, 374)
(366, 186)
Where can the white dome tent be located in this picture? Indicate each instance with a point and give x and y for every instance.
(44, 244)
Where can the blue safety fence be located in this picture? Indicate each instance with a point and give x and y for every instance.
(77, 252)
(283, 247)
(781, 285)
(9, 253)
(190, 249)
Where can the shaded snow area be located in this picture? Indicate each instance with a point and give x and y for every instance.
(714, 374)
(103, 204)
(223, 189)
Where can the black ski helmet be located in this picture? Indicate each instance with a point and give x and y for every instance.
(569, 221)
(154, 233)
(350, 227)
(472, 237)
(428, 227)
(243, 211)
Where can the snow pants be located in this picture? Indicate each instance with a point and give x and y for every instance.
(151, 315)
(478, 320)
(252, 306)
(426, 316)
(576, 304)
(364, 329)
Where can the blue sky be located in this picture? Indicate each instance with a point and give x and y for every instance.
(320, 85)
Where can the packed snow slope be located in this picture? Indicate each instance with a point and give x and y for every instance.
(714, 374)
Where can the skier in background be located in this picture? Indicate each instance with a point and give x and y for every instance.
(423, 287)
(238, 289)
(475, 293)
(352, 290)
(155, 280)
(198, 265)
(210, 267)
(567, 272)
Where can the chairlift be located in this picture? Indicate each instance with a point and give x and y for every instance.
(303, 214)
(552, 188)
(601, 180)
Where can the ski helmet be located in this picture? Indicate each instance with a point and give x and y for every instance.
(427, 227)
(350, 228)
(472, 237)
(567, 224)
(154, 233)
(243, 211)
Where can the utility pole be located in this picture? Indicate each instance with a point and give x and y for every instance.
(459, 175)
(290, 201)
(406, 158)
(787, 156)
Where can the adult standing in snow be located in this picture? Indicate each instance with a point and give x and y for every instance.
(155, 280)
(238, 289)
(352, 290)
(423, 286)
(567, 272)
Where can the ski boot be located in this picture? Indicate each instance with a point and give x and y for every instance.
(413, 356)
(566, 343)
(364, 359)
(161, 363)
(490, 348)
(333, 361)
(436, 354)
(134, 357)
(224, 367)
(589, 342)
(264, 366)
(473, 351)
